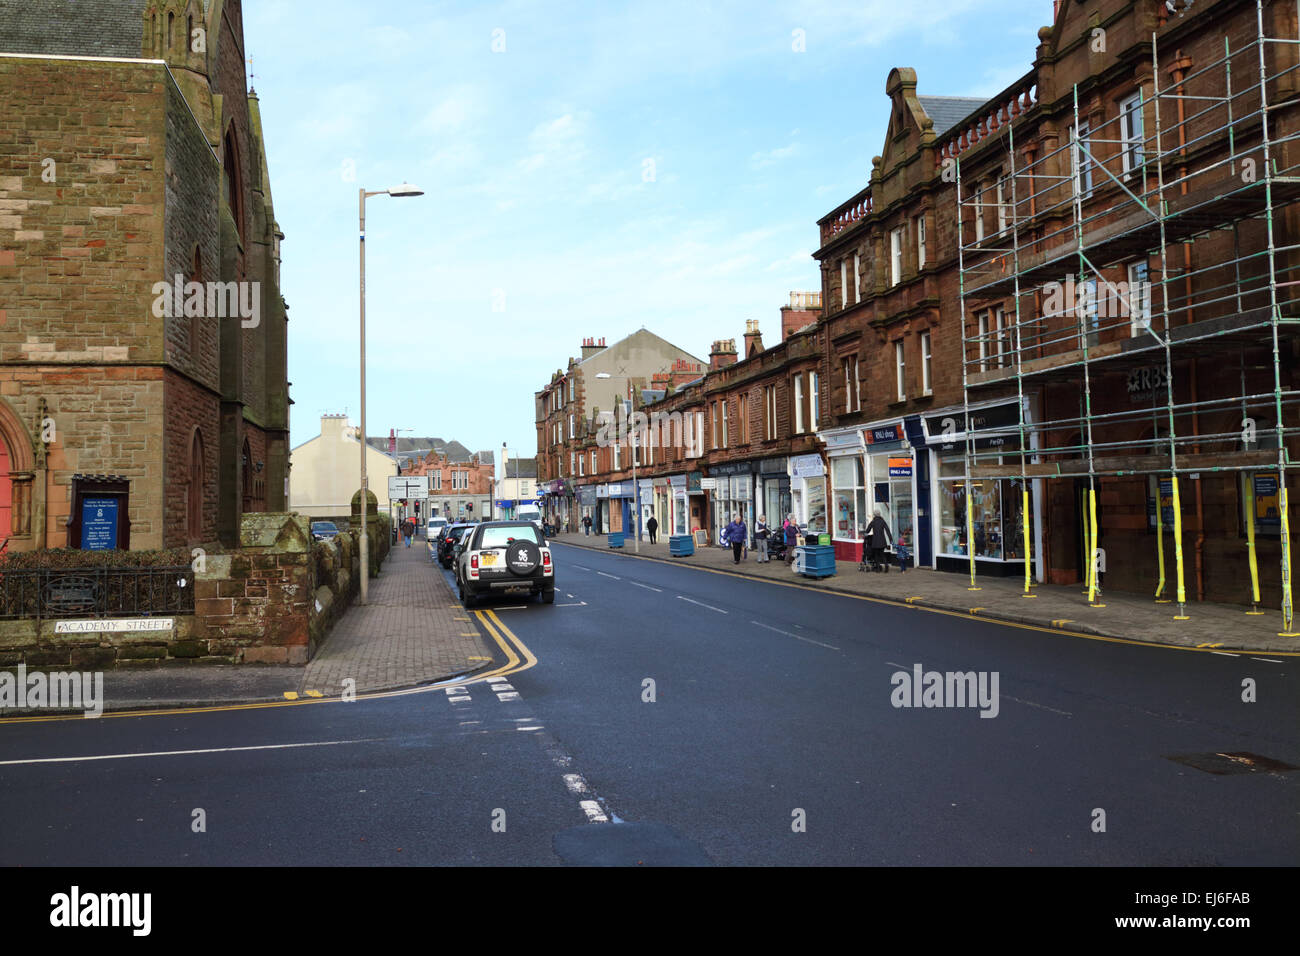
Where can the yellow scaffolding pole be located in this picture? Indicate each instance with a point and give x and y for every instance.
(970, 531)
(1178, 552)
(1250, 545)
(1288, 609)
(1092, 548)
(1024, 523)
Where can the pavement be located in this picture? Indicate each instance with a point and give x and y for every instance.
(413, 632)
(1125, 616)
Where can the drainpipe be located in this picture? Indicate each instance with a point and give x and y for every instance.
(1200, 500)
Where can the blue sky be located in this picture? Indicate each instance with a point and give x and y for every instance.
(617, 165)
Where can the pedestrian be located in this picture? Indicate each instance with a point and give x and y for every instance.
(791, 531)
(653, 527)
(586, 525)
(410, 530)
(735, 535)
(878, 537)
(761, 532)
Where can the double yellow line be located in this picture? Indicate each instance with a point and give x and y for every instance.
(518, 658)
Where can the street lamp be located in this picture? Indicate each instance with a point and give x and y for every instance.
(399, 192)
(636, 492)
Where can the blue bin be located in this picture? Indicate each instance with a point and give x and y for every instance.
(616, 539)
(814, 561)
(681, 545)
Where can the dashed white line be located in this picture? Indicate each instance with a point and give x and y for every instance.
(807, 640)
(581, 567)
(513, 695)
(573, 604)
(575, 783)
(604, 575)
(1030, 703)
(1224, 654)
(593, 811)
(638, 584)
(1270, 660)
(701, 604)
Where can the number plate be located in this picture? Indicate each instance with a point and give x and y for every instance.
(489, 559)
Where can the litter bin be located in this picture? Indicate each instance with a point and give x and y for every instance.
(814, 561)
(616, 539)
(681, 545)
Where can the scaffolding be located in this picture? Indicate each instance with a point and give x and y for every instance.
(1088, 270)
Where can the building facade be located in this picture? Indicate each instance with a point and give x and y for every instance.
(143, 392)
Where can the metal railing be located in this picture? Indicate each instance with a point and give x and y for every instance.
(43, 593)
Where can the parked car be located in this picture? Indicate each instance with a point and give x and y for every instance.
(434, 528)
(505, 557)
(324, 530)
(447, 543)
(529, 513)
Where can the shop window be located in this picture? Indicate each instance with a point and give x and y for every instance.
(997, 516)
(849, 496)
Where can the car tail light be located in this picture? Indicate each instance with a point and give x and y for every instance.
(473, 560)
(546, 558)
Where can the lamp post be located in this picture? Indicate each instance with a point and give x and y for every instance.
(397, 192)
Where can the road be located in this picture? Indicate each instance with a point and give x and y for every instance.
(710, 719)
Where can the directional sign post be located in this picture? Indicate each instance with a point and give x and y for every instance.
(400, 487)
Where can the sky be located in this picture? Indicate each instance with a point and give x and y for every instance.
(589, 170)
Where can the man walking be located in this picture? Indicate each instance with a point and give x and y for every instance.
(586, 525)
(761, 533)
(653, 527)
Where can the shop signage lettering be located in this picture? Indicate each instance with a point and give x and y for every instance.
(900, 468)
(954, 423)
(885, 433)
(1268, 505)
(708, 484)
(807, 466)
(1143, 382)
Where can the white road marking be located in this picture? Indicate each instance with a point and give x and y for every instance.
(457, 700)
(637, 584)
(568, 595)
(537, 727)
(581, 567)
(497, 687)
(904, 666)
(513, 695)
(594, 813)
(575, 604)
(701, 604)
(451, 691)
(1030, 703)
(575, 783)
(185, 753)
(1268, 659)
(807, 640)
(604, 575)
(512, 607)
(1224, 654)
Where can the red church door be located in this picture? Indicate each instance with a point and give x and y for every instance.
(6, 494)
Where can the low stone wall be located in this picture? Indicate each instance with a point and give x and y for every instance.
(270, 602)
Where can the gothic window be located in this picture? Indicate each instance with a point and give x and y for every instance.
(194, 503)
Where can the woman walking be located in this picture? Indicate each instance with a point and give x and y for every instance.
(791, 537)
(760, 539)
(735, 536)
(878, 538)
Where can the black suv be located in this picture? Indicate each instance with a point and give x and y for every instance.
(451, 535)
(500, 557)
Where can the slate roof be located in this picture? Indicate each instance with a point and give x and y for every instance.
(527, 468)
(84, 28)
(948, 111)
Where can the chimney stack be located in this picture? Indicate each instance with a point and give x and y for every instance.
(753, 338)
(722, 354)
(590, 347)
(805, 308)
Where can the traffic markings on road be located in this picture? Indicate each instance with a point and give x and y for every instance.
(701, 604)
(187, 753)
(797, 637)
(638, 584)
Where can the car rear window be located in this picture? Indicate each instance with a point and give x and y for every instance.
(502, 536)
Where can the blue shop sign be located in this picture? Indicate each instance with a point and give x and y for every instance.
(99, 524)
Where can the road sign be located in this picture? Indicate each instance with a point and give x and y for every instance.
(408, 487)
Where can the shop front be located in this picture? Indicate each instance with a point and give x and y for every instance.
(975, 516)
(807, 495)
(772, 491)
(849, 514)
(618, 507)
(678, 508)
(889, 473)
(733, 494)
(697, 502)
(663, 506)
(586, 500)
(645, 498)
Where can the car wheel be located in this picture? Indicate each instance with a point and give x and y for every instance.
(548, 596)
(467, 598)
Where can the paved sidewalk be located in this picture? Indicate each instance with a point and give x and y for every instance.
(412, 632)
(1127, 616)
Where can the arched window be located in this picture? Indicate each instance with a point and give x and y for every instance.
(171, 31)
(234, 192)
(194, 504)
(246, 475)
(6, 495)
